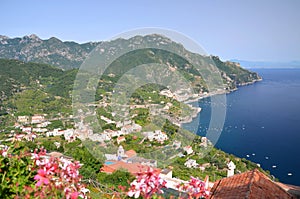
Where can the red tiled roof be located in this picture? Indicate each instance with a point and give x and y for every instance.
(133, 168)
(130, 153)
(292, 189)
(121, 138)
(251, 185)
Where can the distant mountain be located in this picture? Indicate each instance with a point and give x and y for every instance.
(52, 51)
(17, 76)
(262, 64)
(70, 55)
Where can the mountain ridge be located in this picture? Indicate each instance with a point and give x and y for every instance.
(70, 55)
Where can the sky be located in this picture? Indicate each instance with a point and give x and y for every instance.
(253, 30)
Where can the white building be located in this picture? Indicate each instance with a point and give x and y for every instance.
(37, 119)
(203, 142)
(191, 163)
(176, 144)
(121, 139)
(23, 119)
(231, 167)
(157, 135)
(69, 134)
(188, 149)
(107, 120)
(43, 124)
(27, 129)
(123, 123)
(39, 130)
(55, 132)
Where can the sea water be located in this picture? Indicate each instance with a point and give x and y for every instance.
(262, 123)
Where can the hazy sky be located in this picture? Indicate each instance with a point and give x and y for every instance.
(255, 30)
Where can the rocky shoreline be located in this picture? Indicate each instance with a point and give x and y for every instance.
(197, 110)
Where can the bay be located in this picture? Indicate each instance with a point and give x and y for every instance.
(262, 123)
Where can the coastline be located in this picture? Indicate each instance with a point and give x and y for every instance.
(202, 96)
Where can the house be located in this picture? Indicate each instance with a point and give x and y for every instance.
(127, 129)
(121, 154)
(120, 139)
(292, 189)
(130, 153)
(55, 132)
(167, 173)
(107, 120)
(37, 119)
(191, 163)
(124, 123)
(43, 124)
(157, 135)
(136, 127)
(188, 150)
(69, 135)
(110, 133)
(176, 144)
(203, 142)
(23, 119)
(26, 129)
(39, 130)
(251, 185)
(30, 137)
(133, 168)
(142, 161)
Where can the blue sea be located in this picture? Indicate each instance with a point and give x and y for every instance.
(262, 123)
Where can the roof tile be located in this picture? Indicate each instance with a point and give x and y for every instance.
(251, 185)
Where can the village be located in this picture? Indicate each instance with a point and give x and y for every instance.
(28, 129)
(187, 157)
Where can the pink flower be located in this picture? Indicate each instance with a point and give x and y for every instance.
(146, 184)
(4, 153)
(41, 177)
(74, 195)
(58, 173)
(195, 188)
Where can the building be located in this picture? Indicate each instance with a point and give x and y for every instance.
(142, 161)
(120, 139)
(231, 167)
(203, 142)
(188, 150)
(23, 119)
(120, 124)
(133, 168)
(251, 185)
(26, 129)
(37, 119)
(190, 163)
(176, 144)
(43, 124)
(120, 155)
(157, 135)
(69, 135)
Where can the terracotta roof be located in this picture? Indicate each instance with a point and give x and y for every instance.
(251, 185)
(121, 138)
(292, 189)
(133, 168)
(130, 153)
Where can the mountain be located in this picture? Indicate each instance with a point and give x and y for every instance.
(17, 75)
(68, 55)
(51, 51)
